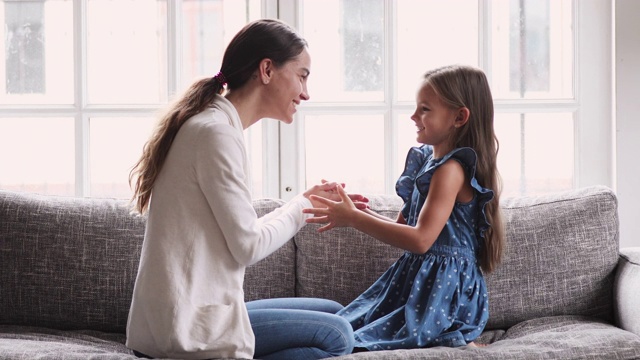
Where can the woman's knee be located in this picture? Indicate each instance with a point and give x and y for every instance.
(343, 340)
(323, 305)
(278, 330)
(297, 303)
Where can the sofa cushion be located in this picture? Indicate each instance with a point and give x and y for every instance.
(561, 256)
(24, 342)
(70, 263)
(273, 276)
(67, 263)
(555, 337)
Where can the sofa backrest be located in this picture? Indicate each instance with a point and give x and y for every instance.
(70, 263)
(275, 275)
(67, 263)
(341, 263)
(561, 254)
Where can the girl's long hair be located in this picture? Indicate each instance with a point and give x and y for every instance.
(258, 40)
(465, 86)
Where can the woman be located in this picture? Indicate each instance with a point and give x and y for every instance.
(202, 231)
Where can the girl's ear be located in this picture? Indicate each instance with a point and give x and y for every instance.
(462, 116)
(265, 70)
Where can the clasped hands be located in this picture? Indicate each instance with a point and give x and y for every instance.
(332, 205)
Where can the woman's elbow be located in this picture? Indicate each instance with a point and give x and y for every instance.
(244, 256)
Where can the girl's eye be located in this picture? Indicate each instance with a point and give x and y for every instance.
(425, 109)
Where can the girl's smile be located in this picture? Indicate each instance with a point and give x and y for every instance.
(434, 120)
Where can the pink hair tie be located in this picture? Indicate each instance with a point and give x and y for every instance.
(221, 78)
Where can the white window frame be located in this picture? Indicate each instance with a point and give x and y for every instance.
(81, 111)
(627, 108)
(591, 105)
(283, 145)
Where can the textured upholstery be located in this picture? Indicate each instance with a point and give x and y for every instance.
(67, 268)
(273, 276)
(557, 337)
(70, 263)
(562, 251)
(25, 342)
(67, 263)
(626, 289)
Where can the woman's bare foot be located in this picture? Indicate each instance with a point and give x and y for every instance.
(475, 344)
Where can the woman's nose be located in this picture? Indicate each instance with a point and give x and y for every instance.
(304, 95)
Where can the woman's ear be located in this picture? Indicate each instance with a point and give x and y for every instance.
(462, 116)
(265, 70)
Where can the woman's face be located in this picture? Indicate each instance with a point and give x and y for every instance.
(288, 87)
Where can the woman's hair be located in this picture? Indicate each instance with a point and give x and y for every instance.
(465, 86)
(258, 40)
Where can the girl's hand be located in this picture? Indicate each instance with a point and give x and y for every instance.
(332, 213)
(328, 190)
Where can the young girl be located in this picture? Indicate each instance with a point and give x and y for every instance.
(450, 224)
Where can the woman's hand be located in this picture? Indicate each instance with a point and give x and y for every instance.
(328, 190)
(330, 212)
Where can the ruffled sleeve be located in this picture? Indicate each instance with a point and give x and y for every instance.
(468, 158)
(416, 159)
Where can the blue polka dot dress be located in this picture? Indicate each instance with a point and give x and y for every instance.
(434, 299)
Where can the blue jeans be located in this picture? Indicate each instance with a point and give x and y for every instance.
(299, 328)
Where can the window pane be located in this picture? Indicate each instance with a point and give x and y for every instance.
(406, 130)
(115, 145)
(37, 155)
(346, 37)
(532, 49)
(433, 33)
(38, 56)
(208, 27)
(527, 164)
(126, 51)
(334, 151)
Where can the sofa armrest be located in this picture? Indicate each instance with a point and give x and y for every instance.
(627, 283)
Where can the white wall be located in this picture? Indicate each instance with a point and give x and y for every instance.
(627, 107)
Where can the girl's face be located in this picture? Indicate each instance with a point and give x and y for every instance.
(288, 87)
(435, 121)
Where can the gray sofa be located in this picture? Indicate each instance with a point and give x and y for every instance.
(564, 290)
